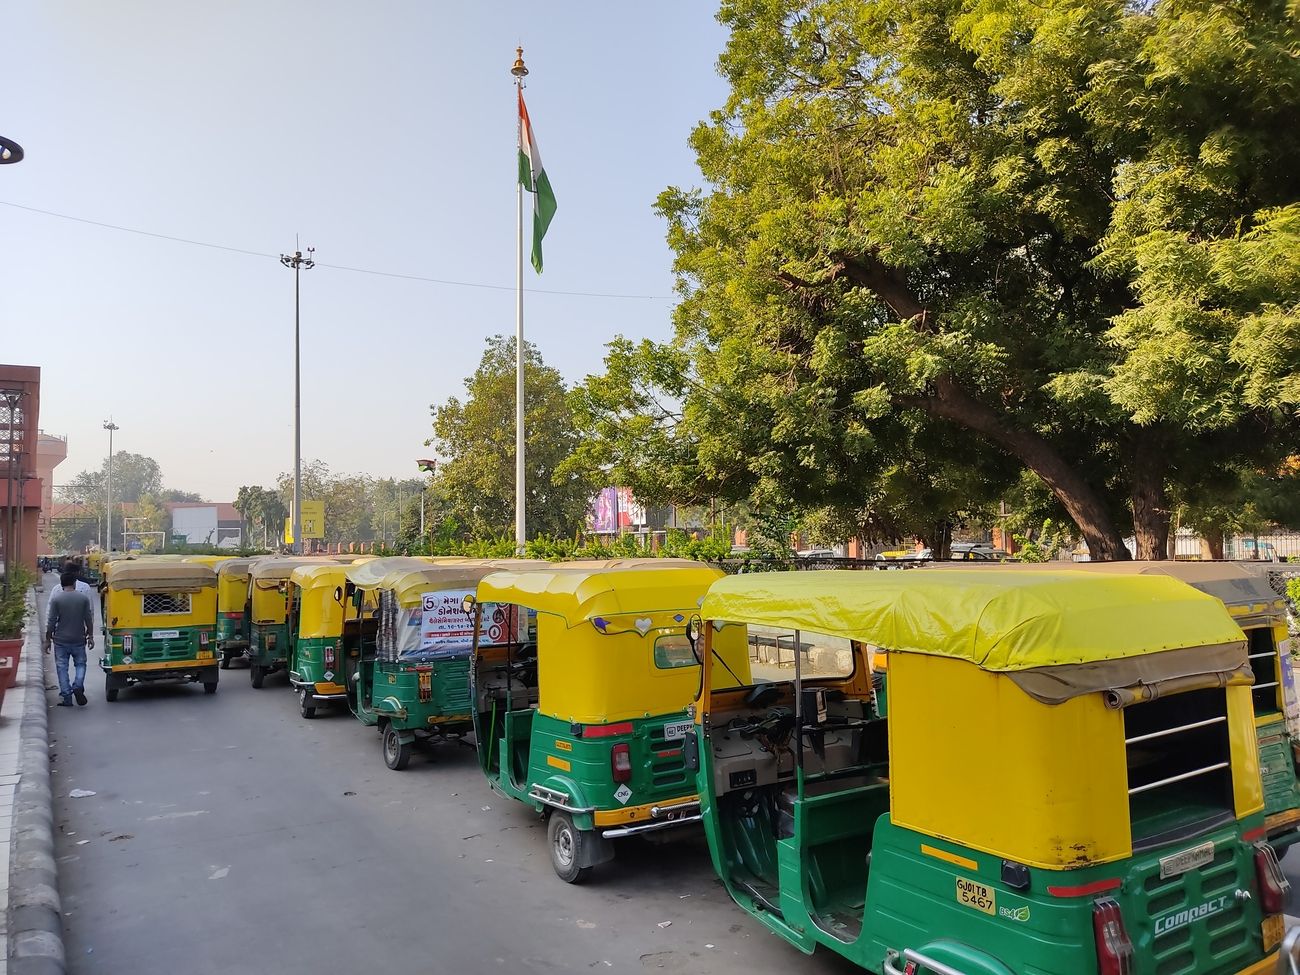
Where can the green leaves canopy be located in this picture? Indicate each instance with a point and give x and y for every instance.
(1065, 230)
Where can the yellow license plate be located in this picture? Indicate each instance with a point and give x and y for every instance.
(1274, 927)
(205, 654)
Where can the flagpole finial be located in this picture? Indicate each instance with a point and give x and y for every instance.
(519, 69)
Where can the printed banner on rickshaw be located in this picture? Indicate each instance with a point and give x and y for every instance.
(442, 628)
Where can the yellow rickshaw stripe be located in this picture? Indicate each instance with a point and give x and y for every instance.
(954, 858)
(629, 814)
(1285, 818)
(556, 762)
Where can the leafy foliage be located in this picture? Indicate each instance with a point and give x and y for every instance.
(476, 482)
(946, 240)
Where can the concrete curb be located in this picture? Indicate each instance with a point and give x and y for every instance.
(35, 911)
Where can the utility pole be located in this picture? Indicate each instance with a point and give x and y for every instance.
(520, 71)
(297, 262)
(110, 426)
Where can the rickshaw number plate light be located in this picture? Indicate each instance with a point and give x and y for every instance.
(1181, 862)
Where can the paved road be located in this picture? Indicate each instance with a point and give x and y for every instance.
(227, 834)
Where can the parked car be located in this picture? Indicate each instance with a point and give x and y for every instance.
(978, 550)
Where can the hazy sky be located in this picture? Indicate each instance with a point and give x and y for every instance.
(384, 134)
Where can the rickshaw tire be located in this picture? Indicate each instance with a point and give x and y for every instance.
(397, 753)
(256, 674)
(225, 662)
(559, 831)
(304, 708)
(210, 687)
(110, 693)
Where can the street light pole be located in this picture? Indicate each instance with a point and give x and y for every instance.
(297, 262)
(110, 426)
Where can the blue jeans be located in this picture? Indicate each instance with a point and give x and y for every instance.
(77, 651)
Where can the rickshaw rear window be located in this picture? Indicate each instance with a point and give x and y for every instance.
(673, 650)
(1179, 769)
(1263, 661)
(166, 603)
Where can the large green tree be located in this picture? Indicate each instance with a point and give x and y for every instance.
(1054, 229)
(134, 476)
(476, 438)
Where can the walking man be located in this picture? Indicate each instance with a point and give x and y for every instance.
(71, 629)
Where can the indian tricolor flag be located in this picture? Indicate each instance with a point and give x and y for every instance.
(534, 180)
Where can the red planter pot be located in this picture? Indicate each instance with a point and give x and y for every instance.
(11, 652)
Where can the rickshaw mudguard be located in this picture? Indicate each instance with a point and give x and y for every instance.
(390, 707)
(577, 800)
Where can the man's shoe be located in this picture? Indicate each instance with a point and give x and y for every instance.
(64, 703)
(81, 696)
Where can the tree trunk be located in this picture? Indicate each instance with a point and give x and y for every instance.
(1105, 544)
(1213, 542)
(1150, 506)
(889, 284)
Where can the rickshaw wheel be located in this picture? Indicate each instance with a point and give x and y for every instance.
(225, 662)
(110, 693)
(397, 754)
(308, 711)
(256, 674)
(210, 687)
(566, 843)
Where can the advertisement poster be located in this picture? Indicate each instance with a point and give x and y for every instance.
(614, 509)
(445, 626)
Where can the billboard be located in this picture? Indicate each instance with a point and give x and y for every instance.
(615, 509)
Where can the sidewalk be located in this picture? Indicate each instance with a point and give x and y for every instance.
(31, 922)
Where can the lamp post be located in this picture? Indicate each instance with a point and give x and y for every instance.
(297, 262)
(429, 466)
(110, 426)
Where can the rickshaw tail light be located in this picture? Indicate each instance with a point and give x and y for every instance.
(1273, 885)
(330, 651)
(127, 643)
(620, 762)
(203, 638)
(1114, 946)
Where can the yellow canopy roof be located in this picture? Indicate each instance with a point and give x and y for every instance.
(319, 574)
(238, 568)
(587, 590)
(147, 575)
(1240, 587)
(281, 566)
(410, 578)
(1000, 621)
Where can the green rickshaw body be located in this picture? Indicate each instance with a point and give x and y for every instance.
(411, 678)
(586, 723)
(1067, 781)
(232, 608)
(159, 624)
(324, 629)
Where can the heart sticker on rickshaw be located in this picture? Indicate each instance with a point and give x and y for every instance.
(643, 625)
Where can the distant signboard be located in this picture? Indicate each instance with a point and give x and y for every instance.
(134, 545)
(613, 509)
(313, 522)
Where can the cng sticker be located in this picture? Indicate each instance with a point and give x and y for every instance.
(978, 896)
(623, 794)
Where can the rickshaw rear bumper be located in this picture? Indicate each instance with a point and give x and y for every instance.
(661, 817)
(321, 691)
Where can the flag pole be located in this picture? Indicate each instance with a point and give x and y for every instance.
(519, 70)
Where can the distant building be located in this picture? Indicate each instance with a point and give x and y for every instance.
(206, 523)
(51, 451)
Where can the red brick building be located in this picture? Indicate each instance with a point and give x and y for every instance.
(20, 482)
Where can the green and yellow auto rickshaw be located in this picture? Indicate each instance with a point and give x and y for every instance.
(232, 608)
(584, 721)
(411, 679)
(160, 621)
(325, 632)
(1067, 781)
